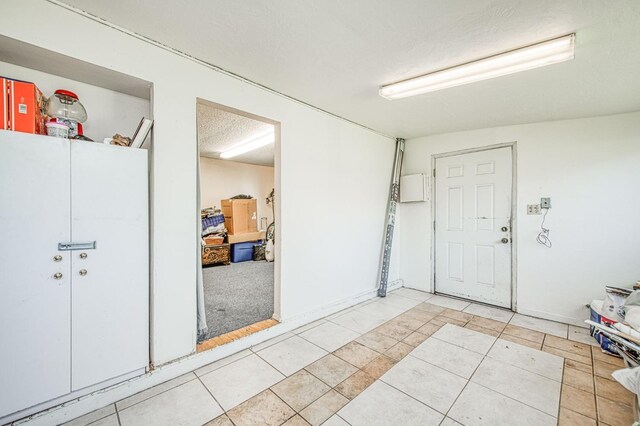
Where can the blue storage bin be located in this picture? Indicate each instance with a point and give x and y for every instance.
(242, 252)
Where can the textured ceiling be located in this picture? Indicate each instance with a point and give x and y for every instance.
(220, 130)
(335, 54)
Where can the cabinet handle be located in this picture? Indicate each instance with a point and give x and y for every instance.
(57, 275)
(90, 245)
(83, 272)
(83, 255)
(57, 258)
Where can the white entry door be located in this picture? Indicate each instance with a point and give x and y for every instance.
(473, 226)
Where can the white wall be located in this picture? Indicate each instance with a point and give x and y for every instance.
(223, 179)
(333, 176)
(108, 112)
(591, 170)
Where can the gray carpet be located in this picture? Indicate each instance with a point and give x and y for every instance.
(237, 295)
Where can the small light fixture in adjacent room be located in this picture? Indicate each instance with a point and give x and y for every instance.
(251, 145)
(526, 58)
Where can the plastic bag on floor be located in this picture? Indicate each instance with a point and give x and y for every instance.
(632, 310)
(629, 378)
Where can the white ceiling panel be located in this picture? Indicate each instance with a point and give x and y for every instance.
(335, 54)
(220, 130)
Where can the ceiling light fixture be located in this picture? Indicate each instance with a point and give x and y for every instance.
(256, 143)
(526, 58)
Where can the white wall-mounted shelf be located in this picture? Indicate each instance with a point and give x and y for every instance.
(115, 102)
(29, 56)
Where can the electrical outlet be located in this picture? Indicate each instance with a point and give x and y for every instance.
(533, 208)
(545, 203)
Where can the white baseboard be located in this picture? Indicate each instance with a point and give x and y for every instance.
(103, 397)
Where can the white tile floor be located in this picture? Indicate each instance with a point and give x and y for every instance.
(455, 376)
(329, 336)
(239, 381)
(381, 404)
(532, 360)
(453, 366)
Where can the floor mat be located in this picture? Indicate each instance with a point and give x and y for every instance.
(237, 295)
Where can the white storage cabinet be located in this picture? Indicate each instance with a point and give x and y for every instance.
(70, 319)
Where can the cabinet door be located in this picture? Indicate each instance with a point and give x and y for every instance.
(34, 306)
(110, 309)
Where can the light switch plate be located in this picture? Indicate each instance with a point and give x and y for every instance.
(545, 203)
(533, 209)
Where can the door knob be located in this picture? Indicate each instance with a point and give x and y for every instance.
(57, 275)
(83, 272)
(504, 229)
(504, 240)
(57, 258)
(83, 255)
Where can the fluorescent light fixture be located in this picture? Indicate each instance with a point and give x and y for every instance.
(256, 143)
(526, 58)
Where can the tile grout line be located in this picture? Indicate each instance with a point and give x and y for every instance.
(513, 399)
(295, 413)
(520, 402)
(562, 378)
(117, 414)
(468, 380)
(152, 396)
(96, 420)
(340, 417)
(214, 399)
(562, 385)
(595, 391)
(272, 344)
(528, 371)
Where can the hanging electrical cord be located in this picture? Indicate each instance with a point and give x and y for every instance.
(543, 236)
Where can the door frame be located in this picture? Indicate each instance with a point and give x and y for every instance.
(277, 288)
(514, 235)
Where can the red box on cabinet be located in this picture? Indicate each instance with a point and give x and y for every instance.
(24, 107)
(4, 112)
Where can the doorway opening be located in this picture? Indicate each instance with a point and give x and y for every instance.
(238, 195)
(474, 224)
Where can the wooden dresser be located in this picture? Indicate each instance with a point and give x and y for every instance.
(218, 254)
